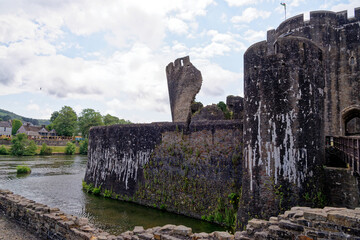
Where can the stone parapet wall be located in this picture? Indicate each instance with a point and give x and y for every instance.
(46, 222)
(307, 224)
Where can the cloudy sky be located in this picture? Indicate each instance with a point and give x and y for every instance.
(110, 55)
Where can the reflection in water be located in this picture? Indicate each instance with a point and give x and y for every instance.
(56, 181)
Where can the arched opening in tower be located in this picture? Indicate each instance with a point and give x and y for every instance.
(351, 120)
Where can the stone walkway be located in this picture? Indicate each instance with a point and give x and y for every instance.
(10, 230)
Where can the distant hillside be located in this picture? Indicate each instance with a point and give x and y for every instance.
(6, 115)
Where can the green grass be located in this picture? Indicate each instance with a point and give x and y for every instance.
(23, 169)
(55, 149)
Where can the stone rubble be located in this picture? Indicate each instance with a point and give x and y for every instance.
(301, 223)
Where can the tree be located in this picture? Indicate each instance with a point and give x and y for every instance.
(54, 115)
(111, 120)
(89, 118)
(30, 149)
(16, 124)
(65, 123)
(22, 146)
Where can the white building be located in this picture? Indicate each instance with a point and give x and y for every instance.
(5, 129)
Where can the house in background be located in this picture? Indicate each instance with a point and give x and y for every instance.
(33, 132)
(5, 129)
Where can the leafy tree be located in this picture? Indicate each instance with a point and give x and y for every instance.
(1, 119)
(45, 150)
(22, 146)
(50, 127)
(110, 120)
(30, 149)
(89, 118)
(18, 144)
(54, 115)
(65, 122)
(16, 124)
(84, 146)
(70, 148)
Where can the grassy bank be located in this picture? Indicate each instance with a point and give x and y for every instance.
(55, 149)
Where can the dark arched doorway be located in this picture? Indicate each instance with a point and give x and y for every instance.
(351, 120)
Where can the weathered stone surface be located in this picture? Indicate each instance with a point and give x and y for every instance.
(195, 107)
(138, 229)
(210, 112)
(182, 230)
(223, 236)
(290, 226)
(146, 236)
(236, 106)
(202, 235)
(162, 155)
(258, 223)
(301, 84)
(184, 82)
(342, 188)
(315, 214)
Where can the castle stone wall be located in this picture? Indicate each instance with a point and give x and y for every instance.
(283, 125)
(165, 165)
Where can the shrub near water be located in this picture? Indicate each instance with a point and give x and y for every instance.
(70, 148)
(84, 146)
(3, 150)
(45, 150)
(23, 169)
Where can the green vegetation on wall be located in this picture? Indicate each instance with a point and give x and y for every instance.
(194, 178)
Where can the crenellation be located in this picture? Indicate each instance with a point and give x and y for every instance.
(323, 18)
(357, 13)
(270, 40)
(342, 17)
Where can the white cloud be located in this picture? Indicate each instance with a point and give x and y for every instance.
(215, 78)
(33, 107)
(177, 26)
(350, 6)
(239, 3)
(221, 44)
(250, 14)
(253, 36)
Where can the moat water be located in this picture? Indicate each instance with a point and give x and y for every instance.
(57, 182)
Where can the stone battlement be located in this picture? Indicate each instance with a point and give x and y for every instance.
(335, 19)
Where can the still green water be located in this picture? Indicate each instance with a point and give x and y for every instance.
(57, 182)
